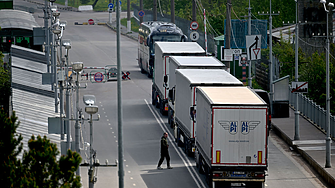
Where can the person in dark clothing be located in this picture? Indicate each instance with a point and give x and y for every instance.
(164, 152)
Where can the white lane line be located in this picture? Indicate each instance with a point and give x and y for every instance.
(183, 157)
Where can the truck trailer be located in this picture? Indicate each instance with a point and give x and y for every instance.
(186, 62)
(231, 142)
(187, 80)
(163, 50)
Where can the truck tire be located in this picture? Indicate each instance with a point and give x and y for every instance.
(201, 170)
(153, 97)
(178, 138)
(158, 100)
(186, 145)
(141, 66)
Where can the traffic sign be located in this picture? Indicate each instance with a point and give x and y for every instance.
(253, 43)
(110, 5)
(243, 60)
(194, 35)
(228, 53)
(91, 21)
(299, 87)
(98, 77)
(141, 13)
(194, 25)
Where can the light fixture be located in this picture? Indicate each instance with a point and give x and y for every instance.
(53, 8)
(77, 66)
(89, 99)
(56, 31)
(91, 109)
(66, 43)
(62, 23)
(55, 13)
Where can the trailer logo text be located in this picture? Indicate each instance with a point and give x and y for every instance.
(232, 126)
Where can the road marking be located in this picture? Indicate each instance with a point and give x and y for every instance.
(181, 154)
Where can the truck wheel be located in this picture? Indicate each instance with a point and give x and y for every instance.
(169, 116)
(158, 100)
(178, 137)
(187, 152)
(153, 96)
(141, 66)
(201, 170)
(208, 177)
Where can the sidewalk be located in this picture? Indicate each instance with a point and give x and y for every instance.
(311, 146)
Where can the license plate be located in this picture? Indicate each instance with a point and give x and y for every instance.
(236, 184)
(239, 173)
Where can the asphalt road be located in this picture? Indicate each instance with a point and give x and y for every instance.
(95, 45)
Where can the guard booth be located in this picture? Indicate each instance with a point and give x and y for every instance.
(280, 104)
(17, 28)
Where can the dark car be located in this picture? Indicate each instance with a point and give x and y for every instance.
(265, 96)
(112, 73)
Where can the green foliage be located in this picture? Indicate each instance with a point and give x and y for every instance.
(10, 147)
(4, 85)
(39, 166)
(134, 24)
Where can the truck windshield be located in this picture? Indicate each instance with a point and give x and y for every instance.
(166, 38)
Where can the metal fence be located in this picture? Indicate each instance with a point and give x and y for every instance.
(312, 112)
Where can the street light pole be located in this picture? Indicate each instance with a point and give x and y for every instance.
(249, 33)
(271, 64)
(90, 172)
(328, 139)
(296, 135)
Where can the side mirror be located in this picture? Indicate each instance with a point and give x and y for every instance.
(193, 113)
(184, 38)
(165, 78)
(172, 95)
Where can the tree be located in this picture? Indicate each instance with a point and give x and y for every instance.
(39, 166)
(10, 147)
(4, 86)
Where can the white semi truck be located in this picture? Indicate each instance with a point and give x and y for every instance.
(163, 50)
(187, 80)
(187, 62)
(231, 142)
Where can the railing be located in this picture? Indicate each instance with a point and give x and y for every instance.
(312, 112)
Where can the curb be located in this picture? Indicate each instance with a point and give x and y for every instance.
(325, 175)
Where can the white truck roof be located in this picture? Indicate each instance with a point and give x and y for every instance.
(209, 76)
(231, 96)
(196, 61)
(180, 47)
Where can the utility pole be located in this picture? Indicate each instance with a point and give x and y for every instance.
(172, 12)
(194, 15)
(128, 17)
(46, 27)
(155, 10)
(296, 112)
(141, 8)
(228, 30)
(119, 98)
(270, 54)
(249, 33)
